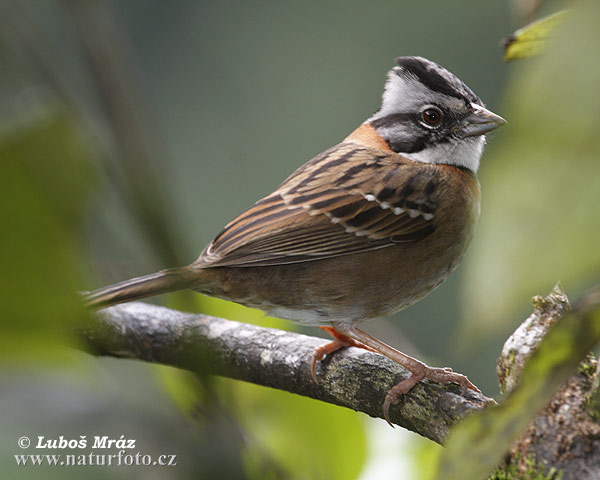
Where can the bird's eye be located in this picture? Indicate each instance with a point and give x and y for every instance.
(431, 116)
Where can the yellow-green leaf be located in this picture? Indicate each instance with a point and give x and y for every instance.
(531, 39)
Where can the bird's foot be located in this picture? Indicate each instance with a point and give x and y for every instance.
(439, 375)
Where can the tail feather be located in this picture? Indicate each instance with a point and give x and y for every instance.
(137, 288)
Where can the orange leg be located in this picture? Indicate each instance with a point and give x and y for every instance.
(340, 341)
(418, 370)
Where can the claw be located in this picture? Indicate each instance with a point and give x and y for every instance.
(393, 395)
(320, 353)
(389, 400)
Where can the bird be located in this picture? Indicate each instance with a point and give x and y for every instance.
(365, 229)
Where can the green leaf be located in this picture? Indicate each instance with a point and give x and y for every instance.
(45, 176)
(477, 445)
(540, 183)
(531, 40)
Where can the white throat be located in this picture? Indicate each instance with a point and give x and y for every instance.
(462, 153)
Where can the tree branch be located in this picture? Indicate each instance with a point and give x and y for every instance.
(352, 377)
(565, 434)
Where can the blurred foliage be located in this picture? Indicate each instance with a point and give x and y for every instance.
(306, 438)
(541, 183)
(45, 179)
(427, 458)
(531, 39)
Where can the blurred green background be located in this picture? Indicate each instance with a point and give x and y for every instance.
(132, 131)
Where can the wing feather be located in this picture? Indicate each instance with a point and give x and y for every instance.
(349, 199)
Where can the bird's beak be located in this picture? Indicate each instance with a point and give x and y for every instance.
(480, 121)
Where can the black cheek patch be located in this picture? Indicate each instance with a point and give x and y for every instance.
(408, 145)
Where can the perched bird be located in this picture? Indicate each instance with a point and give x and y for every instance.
(364, 229)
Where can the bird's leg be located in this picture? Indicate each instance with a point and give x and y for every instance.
(340, 341)
(418, 369)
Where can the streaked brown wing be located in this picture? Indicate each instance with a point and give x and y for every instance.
(349, 199)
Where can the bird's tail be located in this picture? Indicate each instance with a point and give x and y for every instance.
(164, 281)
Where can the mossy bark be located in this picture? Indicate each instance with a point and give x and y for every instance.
(563, 441)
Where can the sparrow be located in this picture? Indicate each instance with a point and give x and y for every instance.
(366, 228)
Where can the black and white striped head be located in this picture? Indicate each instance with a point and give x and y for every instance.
(429, 115)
